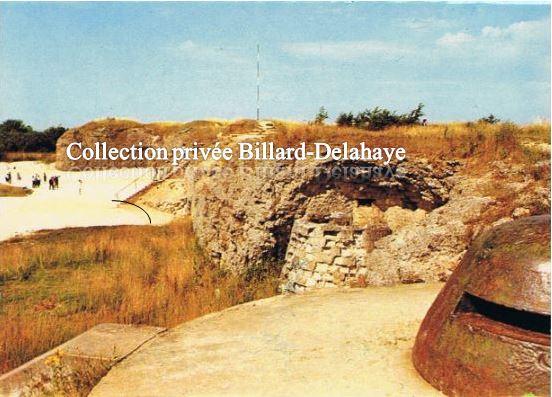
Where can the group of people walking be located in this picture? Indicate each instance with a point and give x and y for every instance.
(8, 176)
(53, 181)
(36, 180)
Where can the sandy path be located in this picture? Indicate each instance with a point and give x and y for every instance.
(65, 207)
(325, 343)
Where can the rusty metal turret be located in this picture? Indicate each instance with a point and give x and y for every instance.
(488, 331)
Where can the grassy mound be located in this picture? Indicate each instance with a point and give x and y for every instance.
(13, 191)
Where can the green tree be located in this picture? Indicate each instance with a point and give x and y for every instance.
(414, 116)
(16, 136)
(321, 116)
(15, 126)
(379, 118)
(490, 119)
(53, 134)
(345, 119)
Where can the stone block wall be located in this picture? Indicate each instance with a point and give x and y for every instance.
(323, 255)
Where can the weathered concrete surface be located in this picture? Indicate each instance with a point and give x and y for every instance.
(105, 342)
(324, 343)
(110, 341)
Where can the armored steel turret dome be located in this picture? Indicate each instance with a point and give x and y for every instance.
(488, 331)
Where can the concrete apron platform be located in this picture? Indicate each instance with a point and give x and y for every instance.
(350, 342)
(96, 350)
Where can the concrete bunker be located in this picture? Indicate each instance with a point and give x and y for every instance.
(349, 207)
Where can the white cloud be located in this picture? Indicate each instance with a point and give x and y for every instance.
(206, 53)
(426, 24)
(346, 50)
(524, 30)
(527, 41)
(455, 39)
(518, 33)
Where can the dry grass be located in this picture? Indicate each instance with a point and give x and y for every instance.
(110, 123)
(56, 284)
(200, 130)
(533, 178)
(64, 376)
(477, 143)
(29, 156)
(13, 191)
(240, 127)
(523, 151)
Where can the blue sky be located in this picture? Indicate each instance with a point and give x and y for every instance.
(67, 63)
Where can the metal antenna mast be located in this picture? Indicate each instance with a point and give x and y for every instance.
(258, 79)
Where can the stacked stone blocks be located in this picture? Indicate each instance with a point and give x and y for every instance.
(323, 255)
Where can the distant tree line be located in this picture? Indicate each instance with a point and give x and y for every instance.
(379, 118)
(16, 136)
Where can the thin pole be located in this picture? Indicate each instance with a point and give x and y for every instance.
(258, 79)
